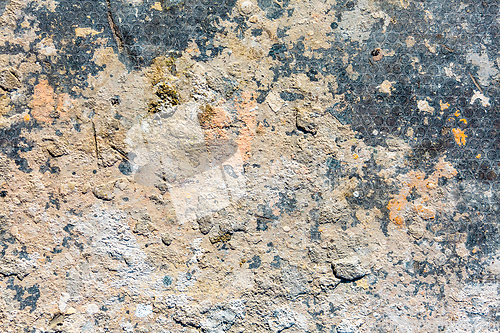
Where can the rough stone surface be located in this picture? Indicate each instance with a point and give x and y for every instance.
(349, 269)
(249, 166)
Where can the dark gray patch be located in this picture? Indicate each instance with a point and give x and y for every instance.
(230, 171)
(167, 280)
(48, 168)
(315, 233)
(333, 170)
(256, 32)
(262, 224)
(31, 294)
(278, 51)
(276, 263)
(291, 96)
(264, 216)
(287, 202)
(125, 167)
(3, 4)
(205, 224)
(254, 263)
(273, 9)
(343, 115)
(53, 202)
(12, 142)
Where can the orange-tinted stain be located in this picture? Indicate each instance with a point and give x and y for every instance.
(417, 181)
(215, 127)
(245, 107)
(459, 136)
(47, 105)
(43, 101)
(216, 122)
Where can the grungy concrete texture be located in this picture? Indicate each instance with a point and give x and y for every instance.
(249, 166)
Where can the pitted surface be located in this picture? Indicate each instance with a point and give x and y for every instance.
(249, 166)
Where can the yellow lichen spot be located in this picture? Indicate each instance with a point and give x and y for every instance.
(362, 283)
(478, 156)
(457, 113)
(459, 136)
(260, 129)
(355, 156)
(157, 6)
(444, 106)
(26, 117)
(464, 121)
(242, 262)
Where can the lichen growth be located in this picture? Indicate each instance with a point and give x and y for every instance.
(459, 136)
(161, 68)
(226, 237)
(167, 93)
(206, 116)
(167, 96)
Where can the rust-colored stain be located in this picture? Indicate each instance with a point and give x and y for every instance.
(246, 107)
(48, 105)
(459, 135)
(214, 121)
(43, 101)
(425, 186)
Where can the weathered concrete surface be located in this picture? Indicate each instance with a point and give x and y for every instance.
(249, 166)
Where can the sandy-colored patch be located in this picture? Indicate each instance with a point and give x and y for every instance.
(47, 105)
(424, 106)
(246, 108)
(424, 185)
(386, 87)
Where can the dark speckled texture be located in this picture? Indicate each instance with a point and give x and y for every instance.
(399, 95)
